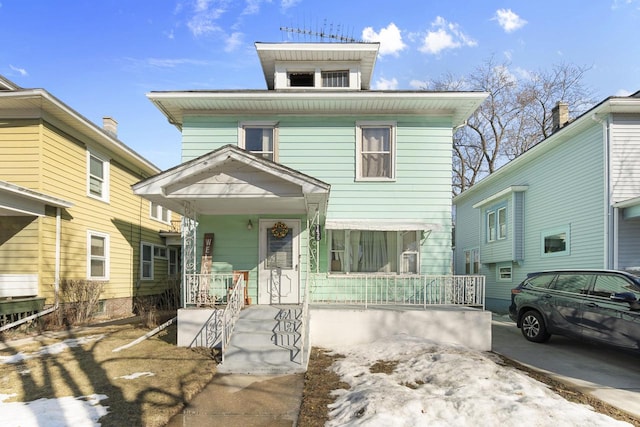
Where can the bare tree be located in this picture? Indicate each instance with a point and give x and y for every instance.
(515, 116)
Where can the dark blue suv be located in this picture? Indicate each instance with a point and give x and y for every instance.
(596, 305)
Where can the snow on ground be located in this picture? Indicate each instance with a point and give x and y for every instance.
(83, 411)
(435, 385)
(431, 385)
(50, 349)
(136, 375)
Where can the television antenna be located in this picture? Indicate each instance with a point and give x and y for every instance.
(321, 34)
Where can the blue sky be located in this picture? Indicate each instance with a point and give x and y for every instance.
(102, 57)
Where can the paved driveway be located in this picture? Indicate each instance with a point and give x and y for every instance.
(611, 375)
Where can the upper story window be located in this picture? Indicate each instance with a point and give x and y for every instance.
(335, 78)
(472, 261)
(160, 213)
(97, 177)
(375, 157)
(303, 79)
(259, 138)
(496, 224)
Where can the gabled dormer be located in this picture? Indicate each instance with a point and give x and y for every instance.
(318, 66)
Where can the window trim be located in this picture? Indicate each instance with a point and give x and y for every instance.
(500, 266)
(173, 253)
(398, 251)
(566, 229)
(501, 232)
(473, 254)
(153, 213)
(91, 257)
(143, 262)
(273, 125)
(106, 163)
(392, 125)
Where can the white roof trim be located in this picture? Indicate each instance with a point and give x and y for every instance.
(627, 203)
(501, 194)
(21, 200)
(381, 225)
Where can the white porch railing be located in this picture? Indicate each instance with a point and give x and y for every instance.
(414, 290)
(207, 289)
(235, 303)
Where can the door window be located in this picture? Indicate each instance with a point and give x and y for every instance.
(606, 285)
(574, 283)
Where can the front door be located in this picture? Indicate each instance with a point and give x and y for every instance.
(278, 271)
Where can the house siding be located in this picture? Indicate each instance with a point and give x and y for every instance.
(48, 159)
(325, 148)
(566, 188)
(625, 157)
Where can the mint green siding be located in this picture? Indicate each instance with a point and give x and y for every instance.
(324, 147)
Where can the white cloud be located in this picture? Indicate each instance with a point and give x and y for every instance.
(286, 4)
(390, 39)
(171, 63)
(623, 92)
(384, 84)
(509, 20)
(445, 35)
(233, 41)
(20, 71)
(419, 84)
(204, 19)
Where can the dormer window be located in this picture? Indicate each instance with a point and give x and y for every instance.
(335, 78)
(301, 79)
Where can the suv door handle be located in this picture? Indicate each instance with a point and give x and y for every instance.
(592, 305)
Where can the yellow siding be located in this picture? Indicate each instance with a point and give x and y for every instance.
(19, 162)
(46, 159)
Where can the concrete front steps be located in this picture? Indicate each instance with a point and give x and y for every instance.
(266, 340)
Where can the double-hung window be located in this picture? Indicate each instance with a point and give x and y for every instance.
(497, 224)
(160, 213)
(259, 138)
(97, 256)
(97, 176)
(375, 151)
(371, 251)
(472, 261)
(146, 261)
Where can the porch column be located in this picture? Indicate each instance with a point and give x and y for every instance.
(189, 235)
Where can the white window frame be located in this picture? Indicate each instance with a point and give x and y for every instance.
(173, 262)
(400, 253)
(242, 126)
(472, 261)
(105, 184)
(144, 262)
(496, 227)
(504, 277)
(566, 230)
(332, 75)
(104, 258)
(156, 211)
(160, 251)
(392, 126)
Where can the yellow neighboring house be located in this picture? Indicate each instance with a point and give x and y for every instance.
(68, 213)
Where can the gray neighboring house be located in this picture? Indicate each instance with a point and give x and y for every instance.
(572, 201)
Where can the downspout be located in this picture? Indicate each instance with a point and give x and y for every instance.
(56, 282)
(610, 243)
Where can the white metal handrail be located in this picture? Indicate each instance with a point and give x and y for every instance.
(235, 303)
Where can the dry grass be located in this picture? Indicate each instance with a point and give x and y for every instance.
(178, 373)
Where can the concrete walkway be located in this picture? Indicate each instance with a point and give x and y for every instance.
(236, 400)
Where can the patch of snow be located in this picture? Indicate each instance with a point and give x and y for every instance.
(82, 411)
(50, 349)
(136, 375)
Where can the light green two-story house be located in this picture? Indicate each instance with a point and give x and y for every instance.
(315, 181)
(572, 201)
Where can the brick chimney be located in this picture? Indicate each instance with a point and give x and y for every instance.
(560, 116)
(110, 126)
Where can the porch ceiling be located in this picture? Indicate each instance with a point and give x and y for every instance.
(232, 181)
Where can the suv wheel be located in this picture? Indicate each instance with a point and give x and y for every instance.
(533, 327)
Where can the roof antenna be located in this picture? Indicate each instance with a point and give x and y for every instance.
(321, 35)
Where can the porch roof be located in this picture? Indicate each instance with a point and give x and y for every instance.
(20, 201)
(233, 181)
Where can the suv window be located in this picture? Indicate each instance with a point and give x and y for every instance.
(574, 283)
(541, 281)
(610, 284)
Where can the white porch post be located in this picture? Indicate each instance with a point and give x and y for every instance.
(189, 235)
